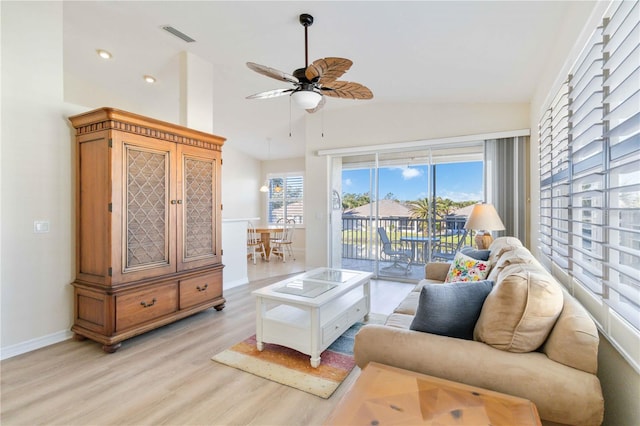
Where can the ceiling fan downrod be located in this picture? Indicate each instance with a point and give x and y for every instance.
(306, 20)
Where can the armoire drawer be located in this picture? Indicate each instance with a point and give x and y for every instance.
(197, 290)
(145, 305)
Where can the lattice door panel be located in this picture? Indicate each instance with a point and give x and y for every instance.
(146, 207)
(199, 222)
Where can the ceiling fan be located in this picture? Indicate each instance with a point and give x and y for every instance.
(313, 81)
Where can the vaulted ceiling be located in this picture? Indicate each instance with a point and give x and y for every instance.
(414, 51)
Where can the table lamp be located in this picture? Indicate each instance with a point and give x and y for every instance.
(483, 218)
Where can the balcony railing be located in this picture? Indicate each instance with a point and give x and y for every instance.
(360, 239)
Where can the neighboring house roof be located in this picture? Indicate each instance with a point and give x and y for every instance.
(388, 208)
(464, 211)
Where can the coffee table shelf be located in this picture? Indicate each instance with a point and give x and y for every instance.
(310, 324)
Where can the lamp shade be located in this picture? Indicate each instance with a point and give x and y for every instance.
(307, 99)
(484, 217)
(265, 187)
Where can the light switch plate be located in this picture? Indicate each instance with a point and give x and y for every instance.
(40, 226)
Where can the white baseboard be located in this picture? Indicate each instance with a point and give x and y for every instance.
(33, 344)
(235, 283)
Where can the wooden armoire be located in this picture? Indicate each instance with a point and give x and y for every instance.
(148, 222)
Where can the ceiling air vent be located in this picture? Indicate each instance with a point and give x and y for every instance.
(178, 34)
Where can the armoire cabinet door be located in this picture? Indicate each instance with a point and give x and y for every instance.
(147, 223)
(198, 215)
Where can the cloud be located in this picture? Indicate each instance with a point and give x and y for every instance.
(347, 182)
(409, 172)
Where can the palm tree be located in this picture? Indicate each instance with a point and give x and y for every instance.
(444, 207)
(420, 209)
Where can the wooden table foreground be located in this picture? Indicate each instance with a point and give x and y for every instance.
(384, 395)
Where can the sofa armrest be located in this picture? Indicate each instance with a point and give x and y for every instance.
(562, 394)
(436, 270)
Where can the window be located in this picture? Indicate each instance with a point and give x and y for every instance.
(590, 177)
(285, 197)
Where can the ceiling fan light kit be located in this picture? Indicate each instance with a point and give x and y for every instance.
(313, 81)
(306, 99)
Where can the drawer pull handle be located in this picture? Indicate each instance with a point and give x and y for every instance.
(206, 286)
(148, 305)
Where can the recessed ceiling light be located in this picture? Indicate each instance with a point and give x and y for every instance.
(104, 54)
(149, 79)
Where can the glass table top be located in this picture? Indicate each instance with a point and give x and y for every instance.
(333, 275)
(305, 288)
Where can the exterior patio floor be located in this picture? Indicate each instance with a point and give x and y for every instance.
(416, 272)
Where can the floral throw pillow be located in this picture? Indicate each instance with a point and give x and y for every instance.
(465, 268)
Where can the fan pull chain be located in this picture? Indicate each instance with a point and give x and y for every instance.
(322, 123)
(289, 115)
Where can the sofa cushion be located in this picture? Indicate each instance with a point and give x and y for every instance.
(436, 271)
(574, 338)
(450, 309)
(399, 321)
(502, 245)
(409, 304)
(517, 255)
(475, 253)
(521, 310)
(465, 268)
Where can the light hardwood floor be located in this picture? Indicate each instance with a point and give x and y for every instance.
(166, 376)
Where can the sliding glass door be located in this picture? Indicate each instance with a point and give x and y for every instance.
(399, 208)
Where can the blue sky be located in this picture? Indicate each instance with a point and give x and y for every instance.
(456, 181)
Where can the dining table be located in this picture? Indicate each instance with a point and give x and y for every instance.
(265, 237)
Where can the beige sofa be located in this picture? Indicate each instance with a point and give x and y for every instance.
(559, 376)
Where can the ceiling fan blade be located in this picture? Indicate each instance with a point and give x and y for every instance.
(271, 94)
(272, 72)
(348, 90)
(318, 107)
(327, 70)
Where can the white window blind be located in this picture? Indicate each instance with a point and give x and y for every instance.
(590, 179)
(587, 166)
(554, 179)
(286, 194)
(622, 133)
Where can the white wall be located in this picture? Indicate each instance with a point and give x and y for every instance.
(241, 178)
(372, 124)
(620, 382)
(37, 179)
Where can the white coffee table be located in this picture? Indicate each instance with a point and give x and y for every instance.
(310, 311)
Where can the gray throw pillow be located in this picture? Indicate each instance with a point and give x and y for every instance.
(450, 309)
(475, 253)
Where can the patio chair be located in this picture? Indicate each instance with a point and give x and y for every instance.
(445, 250)
(399, 252)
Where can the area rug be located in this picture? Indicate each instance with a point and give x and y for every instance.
(292, 368)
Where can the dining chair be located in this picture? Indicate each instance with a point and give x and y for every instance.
(283, 245)
(254, 244)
